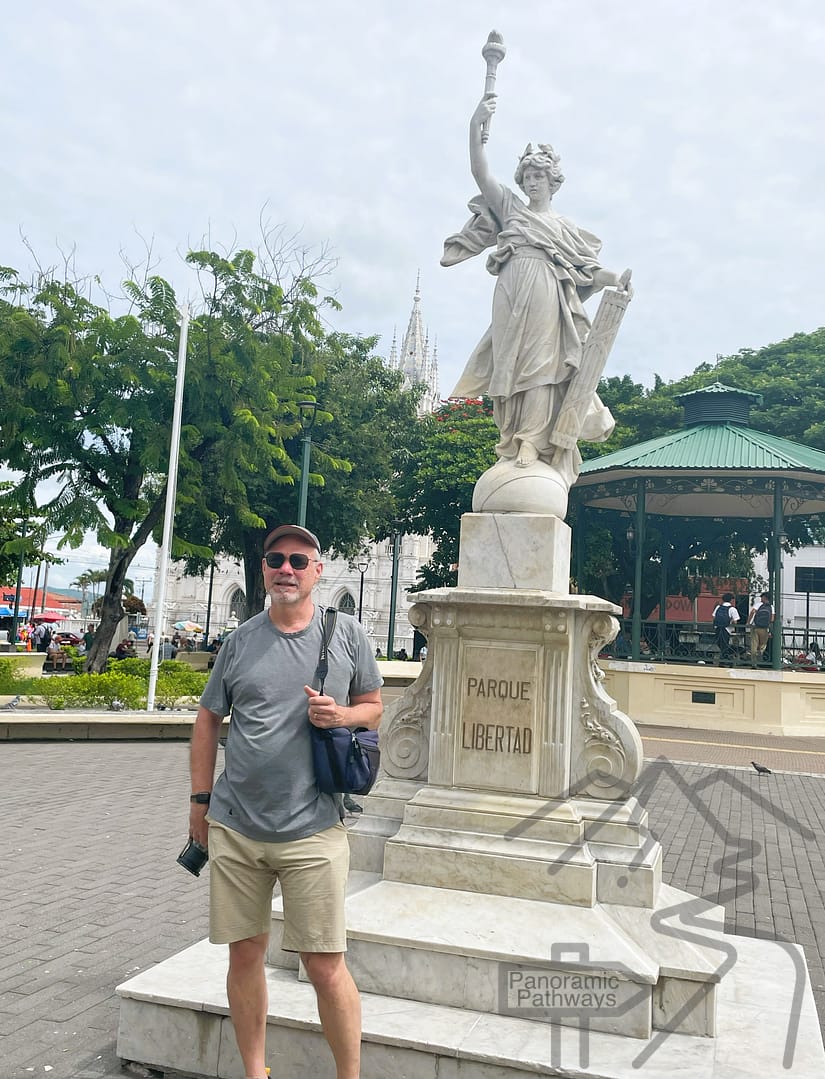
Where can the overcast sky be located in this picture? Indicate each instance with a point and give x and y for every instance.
(691, 138)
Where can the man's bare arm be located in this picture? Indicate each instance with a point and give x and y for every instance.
(203, 753)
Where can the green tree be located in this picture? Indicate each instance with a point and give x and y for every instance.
(82, 582)
(789, 375)
(83, 410)
(372, 425)
(456, 445)
(133, 604)
(452, 447)
(252, 346)
(366, 419)
(20, 534)
(88, 401)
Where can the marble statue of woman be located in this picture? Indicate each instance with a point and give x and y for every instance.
(546, 267)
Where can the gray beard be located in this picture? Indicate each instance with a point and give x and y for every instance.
(276, 596)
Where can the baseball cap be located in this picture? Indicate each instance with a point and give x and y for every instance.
(292, 530)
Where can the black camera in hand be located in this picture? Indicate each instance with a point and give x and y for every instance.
(193, 857)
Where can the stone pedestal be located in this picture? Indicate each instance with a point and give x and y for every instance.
(514, 550)
(506, 914)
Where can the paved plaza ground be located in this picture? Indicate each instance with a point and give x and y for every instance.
(90, 892)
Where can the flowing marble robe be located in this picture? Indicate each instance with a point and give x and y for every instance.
(545, 267)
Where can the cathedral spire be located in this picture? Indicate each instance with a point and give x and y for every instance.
(413, 360)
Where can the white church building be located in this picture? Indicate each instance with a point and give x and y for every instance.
(362, 588)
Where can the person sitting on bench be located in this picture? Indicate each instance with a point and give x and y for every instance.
(55, 655)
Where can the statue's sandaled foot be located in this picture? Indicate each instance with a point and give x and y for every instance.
(528, 455)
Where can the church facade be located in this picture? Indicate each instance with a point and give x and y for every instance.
(363, 588)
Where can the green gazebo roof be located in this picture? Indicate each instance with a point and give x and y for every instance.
(716, 466)
(722, 446)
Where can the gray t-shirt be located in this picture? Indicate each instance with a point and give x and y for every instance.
(267, 790)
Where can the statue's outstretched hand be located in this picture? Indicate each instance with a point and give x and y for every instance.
(624, 284)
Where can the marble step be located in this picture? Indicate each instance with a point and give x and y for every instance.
(499, 954)
(175, 1017)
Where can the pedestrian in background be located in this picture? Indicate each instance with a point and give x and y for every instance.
(760, 620)
(725, 617)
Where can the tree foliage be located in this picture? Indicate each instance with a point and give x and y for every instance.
(13, 542)
(372, 423)
(133, 604)
(452, 447)
(88, 399)
(249, 481)
(85, 395)
(455, 445)
(790, 376)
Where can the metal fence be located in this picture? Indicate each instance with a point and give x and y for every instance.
(695, 642)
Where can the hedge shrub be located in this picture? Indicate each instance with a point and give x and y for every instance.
(125, 681)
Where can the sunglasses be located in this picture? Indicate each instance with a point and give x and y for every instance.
(275, 559)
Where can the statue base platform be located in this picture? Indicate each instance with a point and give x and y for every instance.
(409, 942)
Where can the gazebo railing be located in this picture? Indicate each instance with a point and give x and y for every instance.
(695, 642)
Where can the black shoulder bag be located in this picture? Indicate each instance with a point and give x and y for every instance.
(346, 761)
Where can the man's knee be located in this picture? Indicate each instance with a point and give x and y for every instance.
(248, 953)
(324, 969)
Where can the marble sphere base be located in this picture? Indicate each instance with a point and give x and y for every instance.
(508, 488)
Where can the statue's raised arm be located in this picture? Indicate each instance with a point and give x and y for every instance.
(479, 167)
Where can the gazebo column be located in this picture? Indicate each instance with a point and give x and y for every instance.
(579, 549)
(636, 626)
(776, 546)
(664, 561)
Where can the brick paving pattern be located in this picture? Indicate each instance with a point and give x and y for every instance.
(726, 748)
(90, 893)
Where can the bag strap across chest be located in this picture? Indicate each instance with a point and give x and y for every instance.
(327, 630)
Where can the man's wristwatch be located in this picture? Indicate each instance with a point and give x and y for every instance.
(202, 798)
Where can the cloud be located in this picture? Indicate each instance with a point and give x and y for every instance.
(690, 136)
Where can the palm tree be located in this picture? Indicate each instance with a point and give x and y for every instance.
(82, 581)
(89, 579)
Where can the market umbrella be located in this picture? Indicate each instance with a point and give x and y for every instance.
(189, 627)
(43, 617)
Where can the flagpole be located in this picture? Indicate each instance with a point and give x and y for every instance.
(169, 516)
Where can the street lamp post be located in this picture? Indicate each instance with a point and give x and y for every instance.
(169, 514)
(362, 568)
(205, 644)
(19, 588)
(396, 551)
(308, 412)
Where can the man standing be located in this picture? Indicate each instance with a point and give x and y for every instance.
(760, 620)
(42, 637)
(725, 617)
(266, 820)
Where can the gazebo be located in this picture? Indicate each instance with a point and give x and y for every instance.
(717, 466)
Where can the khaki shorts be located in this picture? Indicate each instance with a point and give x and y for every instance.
(313, 877)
